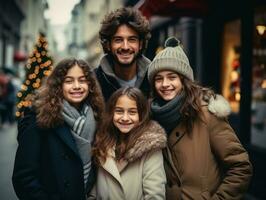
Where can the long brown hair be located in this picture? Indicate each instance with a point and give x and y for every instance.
(108, 135)
(128, 16)
(192, 107)
(49, 98)
(194, 94)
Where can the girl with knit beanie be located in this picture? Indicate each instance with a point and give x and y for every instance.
(128, 150)
(53, 159)
(204, 159)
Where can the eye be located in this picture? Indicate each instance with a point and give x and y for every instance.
(173, 77)
(83, 80)
(117, 40)
(133, 112)
(158, 78)
(68, 80)
(133, 39)
(118, 111)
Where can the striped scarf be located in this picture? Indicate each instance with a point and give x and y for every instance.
(83, 126)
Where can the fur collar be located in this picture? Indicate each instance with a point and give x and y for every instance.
(219, 106)
(153, 138)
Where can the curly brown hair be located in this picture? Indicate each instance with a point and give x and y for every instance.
(128, 16)
(49, 98)
(108, 135)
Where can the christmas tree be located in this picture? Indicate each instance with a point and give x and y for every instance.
(38, 66)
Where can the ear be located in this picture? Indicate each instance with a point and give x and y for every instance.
(140, 44)
(108, 46)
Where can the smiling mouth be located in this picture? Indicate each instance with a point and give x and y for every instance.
(167, 91)
(127, 55)
(125, 125)
(77, 94)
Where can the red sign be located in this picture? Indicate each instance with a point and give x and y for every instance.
(19, 56)
(174, 8)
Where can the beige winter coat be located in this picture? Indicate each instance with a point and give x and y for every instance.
(141, 175)
(210, 163)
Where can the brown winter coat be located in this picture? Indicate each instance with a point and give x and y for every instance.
(209, 163)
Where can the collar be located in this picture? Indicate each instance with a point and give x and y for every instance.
(142, 66)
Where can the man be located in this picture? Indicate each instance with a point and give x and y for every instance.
(124, 35)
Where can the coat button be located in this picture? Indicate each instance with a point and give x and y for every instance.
(177, 134)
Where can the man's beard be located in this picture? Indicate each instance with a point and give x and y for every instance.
(125, 65)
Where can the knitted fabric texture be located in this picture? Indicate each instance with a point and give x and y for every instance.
(83, 126)
(172, 58)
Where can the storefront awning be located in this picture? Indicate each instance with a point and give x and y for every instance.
(173, 8)
(19, 56)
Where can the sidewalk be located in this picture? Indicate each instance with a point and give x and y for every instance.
(8, 146)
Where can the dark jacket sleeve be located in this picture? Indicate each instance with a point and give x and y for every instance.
(233, 159)
(26, 173)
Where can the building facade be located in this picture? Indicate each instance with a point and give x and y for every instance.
(84, 27)
(11, 16)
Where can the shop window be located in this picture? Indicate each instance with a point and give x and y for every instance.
(258, 102)
(230, 74)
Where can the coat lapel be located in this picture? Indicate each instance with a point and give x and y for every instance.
(174, 137)
(168, 157)
(111, 167)
(65, 134)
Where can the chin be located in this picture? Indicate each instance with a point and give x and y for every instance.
(124, 131)
(168, 98)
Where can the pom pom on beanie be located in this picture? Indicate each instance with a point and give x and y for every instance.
(172, 58)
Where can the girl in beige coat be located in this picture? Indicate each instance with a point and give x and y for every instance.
(204, 158)
(128, 150)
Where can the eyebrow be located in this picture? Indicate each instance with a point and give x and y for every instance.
(74, 77)
(170, 73)
(131, 36)
(117, 107)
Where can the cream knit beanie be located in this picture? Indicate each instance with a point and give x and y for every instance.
(172, 58)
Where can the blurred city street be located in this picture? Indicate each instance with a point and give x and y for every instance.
(8, 145)
(225, 42)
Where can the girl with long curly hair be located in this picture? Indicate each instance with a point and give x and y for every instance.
(53, 159)
(128, 150)
(204, 158)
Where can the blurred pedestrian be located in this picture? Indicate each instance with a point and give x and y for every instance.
(124, 35)
(204, 159)
(53, 159)
(7, 98)
(3, 93)
(128, 150)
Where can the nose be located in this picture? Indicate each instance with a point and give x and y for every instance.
(125, 44)
(76, 85)
(165, 82)
(125, 116)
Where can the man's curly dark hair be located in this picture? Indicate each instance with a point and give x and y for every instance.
(128, 16)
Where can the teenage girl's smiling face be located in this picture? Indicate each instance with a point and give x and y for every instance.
(167, 84)
(126, 115)
(75, 86)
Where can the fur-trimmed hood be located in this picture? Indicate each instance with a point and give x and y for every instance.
(219, 106)
(153, 138)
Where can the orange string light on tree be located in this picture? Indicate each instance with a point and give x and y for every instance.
(38, 66)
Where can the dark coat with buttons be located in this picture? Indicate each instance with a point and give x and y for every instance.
(47, 164)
